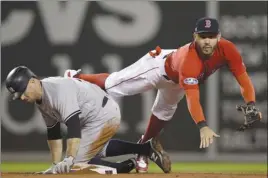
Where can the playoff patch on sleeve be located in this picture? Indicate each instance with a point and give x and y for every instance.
(190, 81)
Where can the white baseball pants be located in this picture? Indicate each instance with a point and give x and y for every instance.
(145, 74)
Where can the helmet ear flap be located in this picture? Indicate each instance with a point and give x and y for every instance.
(16, 96)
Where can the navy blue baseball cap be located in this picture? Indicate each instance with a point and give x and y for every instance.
(207, 25)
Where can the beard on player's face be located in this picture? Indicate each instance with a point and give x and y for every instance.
(206, 43)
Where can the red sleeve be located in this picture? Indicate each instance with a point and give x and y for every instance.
(188, 74)
(194, 106)
(189, 82)
(247, 88)
(234, 59)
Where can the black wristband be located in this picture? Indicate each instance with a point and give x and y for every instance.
(251, 103)
(201, 124)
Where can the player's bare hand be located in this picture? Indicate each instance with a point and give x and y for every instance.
(50, 170)
(65, 165)
(206, 136)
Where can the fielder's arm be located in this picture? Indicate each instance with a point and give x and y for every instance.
(250, 111)
(195, 108)
(246, 87)
(73, 136)
(54, 140)
(238, 69)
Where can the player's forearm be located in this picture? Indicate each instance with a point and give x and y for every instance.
(72, 146)
(194, 106)
(73, 136)
(54, 140)
(246, 87)
(55, 147)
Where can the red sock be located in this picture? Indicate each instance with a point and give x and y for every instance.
(98, 79)
(154, 128)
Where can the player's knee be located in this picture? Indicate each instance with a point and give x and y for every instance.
(164, 114)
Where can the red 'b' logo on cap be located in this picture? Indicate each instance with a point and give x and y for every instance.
(208, 23)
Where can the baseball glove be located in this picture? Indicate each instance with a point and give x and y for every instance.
(252, 115)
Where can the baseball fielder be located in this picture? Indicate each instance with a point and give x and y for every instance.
(179, 72)
(91, 116)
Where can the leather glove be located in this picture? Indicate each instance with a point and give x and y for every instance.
(251, 115)
(206, 136)
(65, 165)
(50, 170)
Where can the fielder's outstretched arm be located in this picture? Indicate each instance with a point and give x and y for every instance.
(238, 69)
(196, 111)
(194, 107)
(246, 87)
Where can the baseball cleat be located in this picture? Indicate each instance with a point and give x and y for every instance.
(71, 73)
(159, 156)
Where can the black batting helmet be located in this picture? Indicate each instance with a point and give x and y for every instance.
(17, 81)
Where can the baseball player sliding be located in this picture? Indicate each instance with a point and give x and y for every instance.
(91, 116)
(179, 72)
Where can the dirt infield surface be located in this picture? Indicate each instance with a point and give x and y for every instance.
(172, 175)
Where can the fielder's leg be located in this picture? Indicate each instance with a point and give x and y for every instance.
(132, 79)
(128, 81)
(163, 109)
(151, 149)
(98, 79)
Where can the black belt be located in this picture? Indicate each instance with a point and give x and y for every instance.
(166, 77)
(104, 101)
